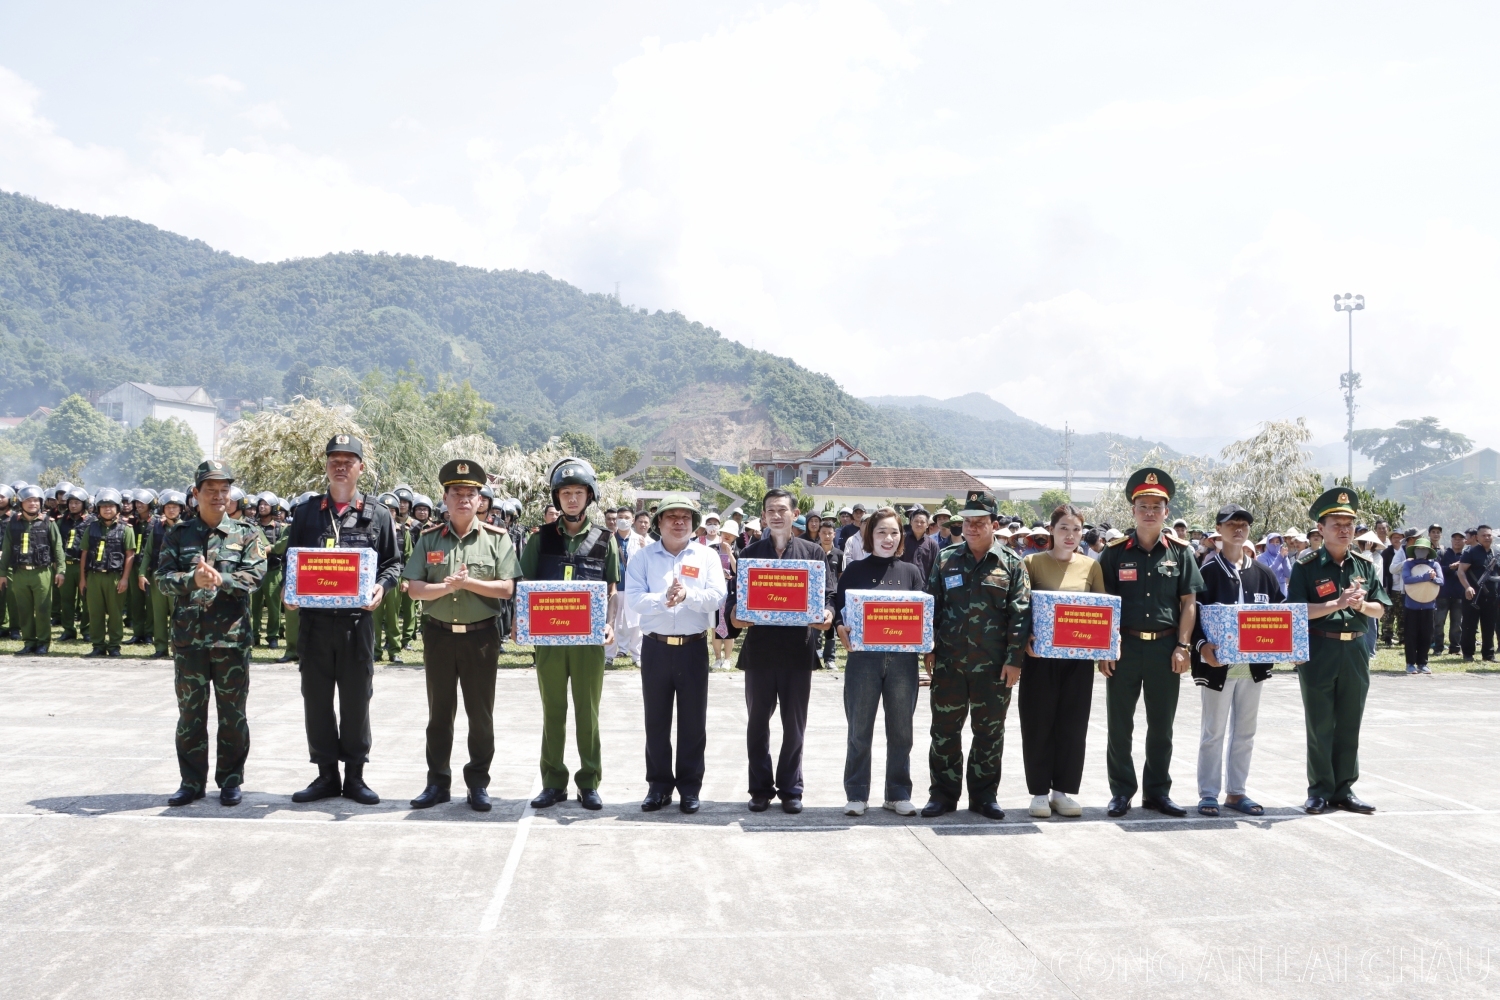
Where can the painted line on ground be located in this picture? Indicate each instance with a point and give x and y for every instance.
(1415, 788)
(491, 916)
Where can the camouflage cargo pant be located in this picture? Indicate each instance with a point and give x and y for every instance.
(227, 671)
(960, 693)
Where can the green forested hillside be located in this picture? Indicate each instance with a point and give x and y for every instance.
(87, 302)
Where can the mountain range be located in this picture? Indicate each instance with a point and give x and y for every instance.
(87, 302)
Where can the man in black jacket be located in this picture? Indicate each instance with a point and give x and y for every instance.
(778, 661)
(1231, 692)
(336, 647)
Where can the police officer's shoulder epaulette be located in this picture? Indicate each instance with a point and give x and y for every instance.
(430, 529)
(1117, 541)
(487, 526)
(1368, 557)
(1308, 555)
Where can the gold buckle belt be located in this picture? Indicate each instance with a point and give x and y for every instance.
(1150, 635)
(676, 640)
(461, 629)
(1341, 636)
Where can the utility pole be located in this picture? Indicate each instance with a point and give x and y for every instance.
(1349, 381)
(1067, 460)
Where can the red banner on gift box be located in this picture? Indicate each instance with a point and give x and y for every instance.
(1265, 631)
(776, 589)
(560, 612)
(893, 623)
(1082, 626)
(327, 574)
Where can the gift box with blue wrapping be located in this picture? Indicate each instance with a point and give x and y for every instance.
(889, 621)
(1256, 633)
(779, 591)
(329, 578)
(561, 612)
(1070, 625)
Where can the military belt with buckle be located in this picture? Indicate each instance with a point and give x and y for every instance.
(1149, 635)
(1341, 636)
(460, 629)
(676, 640)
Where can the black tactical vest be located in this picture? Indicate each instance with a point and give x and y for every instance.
(31, 542)
(74, 532)
(106, 548)
(585, 562)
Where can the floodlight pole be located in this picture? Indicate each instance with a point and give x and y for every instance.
(1349, 381)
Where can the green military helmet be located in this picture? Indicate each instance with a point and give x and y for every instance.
(1339, 500)
(1149, 482)
(676, 501)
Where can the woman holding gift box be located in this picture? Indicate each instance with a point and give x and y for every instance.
(1056, 694)
(872, 679)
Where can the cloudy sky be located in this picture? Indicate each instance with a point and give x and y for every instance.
(1130, 217)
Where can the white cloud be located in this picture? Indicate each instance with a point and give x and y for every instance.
(222, 84)
(266, 116)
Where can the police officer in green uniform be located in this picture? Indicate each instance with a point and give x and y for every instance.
(209, 567)
(267, 597)
(32, 560)
(571, 549)
(104, 573)
(461, 571)
(73, 527)
(388, 615)
(1343, 593)
(138, 598)
(981, 623)
(1156, 578)
(418, 519)
(152, 546)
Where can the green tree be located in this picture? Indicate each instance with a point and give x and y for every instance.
(581, 444)
(1270, 475)
(1050, 500)
(75, 432)
(623, 459)
(1373, 508)
(459, 407)
(405, 429)
(1410, 446)
(161, 454)
(748, 484)
(282, 451)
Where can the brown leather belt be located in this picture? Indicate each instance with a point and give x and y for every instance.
(676, 640)
(460, 629)
(1341, 636)
(1148, 635)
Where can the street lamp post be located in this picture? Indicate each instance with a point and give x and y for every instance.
(1349, 381)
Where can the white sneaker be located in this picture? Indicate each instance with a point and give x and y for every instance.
(1064, 805)
(1040, 808)
(854, 809)
(902, 808)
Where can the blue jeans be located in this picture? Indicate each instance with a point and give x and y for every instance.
(869, 680)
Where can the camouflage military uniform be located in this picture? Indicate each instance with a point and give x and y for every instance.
(211, 641)
(982, 619)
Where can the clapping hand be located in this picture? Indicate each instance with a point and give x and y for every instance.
(1353, 596)
(677, 593)
(456, 581)
(205, 576)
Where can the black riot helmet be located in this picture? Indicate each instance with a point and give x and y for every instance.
(572, 471)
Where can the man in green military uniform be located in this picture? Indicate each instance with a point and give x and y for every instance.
(388, 615)
(73, 526)
(32, 560)
(1156, 578)
(104, 573)
(461, 571)
(267, 597)
(152, 545)
(138, 600)
(981, 623)
(1342, 590)
(571, 549)
(210, 567)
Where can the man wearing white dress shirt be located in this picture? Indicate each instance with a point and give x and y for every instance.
(675, 585)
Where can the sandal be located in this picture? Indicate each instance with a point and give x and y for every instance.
(1208, 807)
(1247, 806)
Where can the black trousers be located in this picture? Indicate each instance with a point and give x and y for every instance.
(766, 687)
(454, 660)
(1481, 615)
(1449, 611)
(1418, 635)
(337, 651)
(1055, 698)
(675, 674)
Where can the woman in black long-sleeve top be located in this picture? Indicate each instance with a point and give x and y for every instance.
(873, 678)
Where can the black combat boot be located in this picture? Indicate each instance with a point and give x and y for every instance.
(325, 785)
(355, 787)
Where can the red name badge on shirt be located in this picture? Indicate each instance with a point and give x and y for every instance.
(1266, 631)
(1326, 587)
(687, 569)
(1127, 574)
(433, 558)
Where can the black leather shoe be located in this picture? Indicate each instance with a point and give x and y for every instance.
(40, 650)
(1163, 805)
(655, 800)
(549, 798)
(95, 654)
(689, 804)
(1353, 803)
(231, 796)
(1118, 806)
(589, 799)
(355, 789)
(68, 635)
(479, 800)
(431, 796)
(937, 807)
(1315, 806)
(114, 651)
(24, 650)
(989, 810)
(759, 805)
(325, 786)
(161, 655)
(272, 644)
(290, 657)
(793, 806)
(184, 795)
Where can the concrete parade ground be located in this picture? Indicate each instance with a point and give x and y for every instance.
(106, 892)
